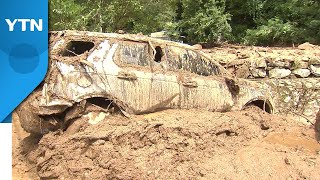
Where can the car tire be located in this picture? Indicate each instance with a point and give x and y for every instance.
(33, 123)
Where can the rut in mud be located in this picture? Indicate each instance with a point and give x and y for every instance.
(180, 144)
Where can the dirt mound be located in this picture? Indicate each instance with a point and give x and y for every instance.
(180, 144)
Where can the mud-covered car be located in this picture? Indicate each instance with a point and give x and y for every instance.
(130, 74)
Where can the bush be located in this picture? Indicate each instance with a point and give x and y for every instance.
(275, 32)
(204, 21)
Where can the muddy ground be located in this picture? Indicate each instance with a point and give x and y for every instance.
(172, 144)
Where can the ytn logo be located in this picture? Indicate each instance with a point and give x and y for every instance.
(33, 24)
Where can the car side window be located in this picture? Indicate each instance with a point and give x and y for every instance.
(134, 53)
(76, 48)
(176, 58)
(188, 60)
(204, 66)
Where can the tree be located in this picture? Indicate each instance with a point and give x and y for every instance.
(65, 14)
(203, 21)
(257, 22)
(285, 22)
(111, 15)
(244, 15)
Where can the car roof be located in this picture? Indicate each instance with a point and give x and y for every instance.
(132, 37)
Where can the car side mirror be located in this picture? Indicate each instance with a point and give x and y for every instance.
(232, 86)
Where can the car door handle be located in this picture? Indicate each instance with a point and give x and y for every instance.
(130, 76)
(190, 83)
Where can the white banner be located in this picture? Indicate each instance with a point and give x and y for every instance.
(6, 151)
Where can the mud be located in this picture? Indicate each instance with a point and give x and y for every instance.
(174, 144)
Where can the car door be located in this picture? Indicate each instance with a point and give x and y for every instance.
(133, 81)
(144, 81)
(200, 81)
(165, 89)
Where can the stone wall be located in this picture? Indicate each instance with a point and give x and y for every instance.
(292, 72)
(263, 62)
(296, 96)
(294, 91)
(276, 68)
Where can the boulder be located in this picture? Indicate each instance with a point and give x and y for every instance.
(297, 64)
(306, 59)
(260, 63)
(259, 73)
(279, 73)
(197, 46)
(242, 71)
(303, 73)
(306, 46)
(242, 55)
(314, 61)
(315, 70)
(281, 64)
(278, 62)
(236, 63)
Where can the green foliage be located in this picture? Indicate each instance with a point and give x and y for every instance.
(109, 16)
(203, 21)
(65, 14)
(284, 23)
(260, 22)
(275, 31)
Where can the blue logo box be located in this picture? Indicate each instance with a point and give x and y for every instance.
(23, 51)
